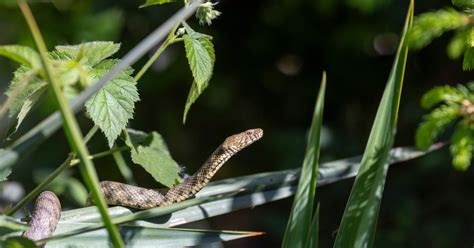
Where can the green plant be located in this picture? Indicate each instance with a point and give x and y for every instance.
(450, 104)
(85, 73)
(431, 25)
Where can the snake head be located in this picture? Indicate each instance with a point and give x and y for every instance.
(241, 140)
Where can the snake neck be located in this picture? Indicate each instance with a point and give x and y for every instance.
(196, 182)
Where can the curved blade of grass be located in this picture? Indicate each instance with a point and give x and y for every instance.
(357, 228)
(299, 223)
(146, 235)
(258, 189)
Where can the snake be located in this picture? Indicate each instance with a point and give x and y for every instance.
(47, 209)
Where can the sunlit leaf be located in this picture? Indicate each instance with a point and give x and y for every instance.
(23, 55)
(113, 105)
(358, 224)
(299, 224)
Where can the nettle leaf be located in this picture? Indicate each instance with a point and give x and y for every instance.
(22, 54)
(5, 170)
(93, 52)
(153, 155)
(201, 58)
(155, 2)
(113, 105)
(25, 89)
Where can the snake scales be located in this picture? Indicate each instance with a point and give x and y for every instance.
(47, 210)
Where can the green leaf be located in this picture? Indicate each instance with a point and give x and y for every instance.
(462, 146)
(259, 189)
(25, 89)
(155, 2)
(155, 158)
(313, 237)
(9, 225)
(431, 25)
(201, 57)
(197, 88)
(23, 55)
(433, 124)
(193, 94)
(93, 52)
(440, 94)
(145, 234)
(358, 224)
(299, 223)
(113, 105)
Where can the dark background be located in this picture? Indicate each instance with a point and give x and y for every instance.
(269, 60)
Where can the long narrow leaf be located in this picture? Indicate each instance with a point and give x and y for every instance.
(299, 223)
(357, 228)
(143, 235)
(262, 188)
(313, 237)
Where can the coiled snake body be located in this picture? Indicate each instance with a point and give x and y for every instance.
(47, 208)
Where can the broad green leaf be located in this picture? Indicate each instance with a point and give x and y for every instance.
(197, 88)
(113, 105)
(299, 223)
(358, 224)
(155, 158)
(155, 2)
(92, 52)
(23, 55)
(201, 57)
(145, 234)
(24, 90)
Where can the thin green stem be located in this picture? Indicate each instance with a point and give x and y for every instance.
(41, 186)
(71, 129)
(159, 51)
(90, 134)
(123, 168)
(102, 154)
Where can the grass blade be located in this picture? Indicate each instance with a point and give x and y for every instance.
(313, 237)
(146, 235)
(357, 228)
(299, 223)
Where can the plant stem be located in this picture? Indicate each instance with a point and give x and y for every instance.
(123, 168)
(101, 154)
(159, 51)
(41, 186)
(71, 129)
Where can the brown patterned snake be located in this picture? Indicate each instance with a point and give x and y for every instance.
(47, 208)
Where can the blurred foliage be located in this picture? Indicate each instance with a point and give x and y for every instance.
(453, 105)
(269, 59)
